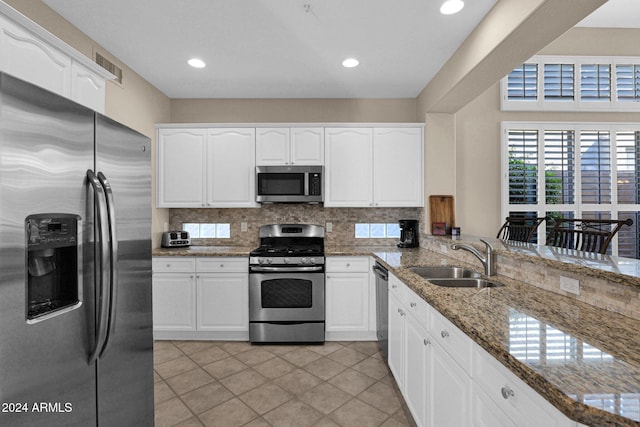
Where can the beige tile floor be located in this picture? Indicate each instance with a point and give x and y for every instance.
(230, 383)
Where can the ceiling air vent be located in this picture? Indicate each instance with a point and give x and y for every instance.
(109, 66)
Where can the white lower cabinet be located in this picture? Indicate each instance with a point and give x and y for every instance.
(418, 361)
(174, 302)
(448, 380)
(349, 299)
(200, 298)
(515, 400)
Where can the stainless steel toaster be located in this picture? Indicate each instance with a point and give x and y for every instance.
(175, 239)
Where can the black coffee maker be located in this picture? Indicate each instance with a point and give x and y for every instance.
(408, 233)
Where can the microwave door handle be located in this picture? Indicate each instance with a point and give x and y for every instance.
(306, 184)
(101, 264)
(113, 252)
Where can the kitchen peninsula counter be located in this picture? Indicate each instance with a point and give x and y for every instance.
(599, 355)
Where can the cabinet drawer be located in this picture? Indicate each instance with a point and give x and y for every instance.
(173, 265)
(418, 307)
(222, 264)
(452, 339)
(520, 402)
(345, 264)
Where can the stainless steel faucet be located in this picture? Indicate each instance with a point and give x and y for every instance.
(487, 260)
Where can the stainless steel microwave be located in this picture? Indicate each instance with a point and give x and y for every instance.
(289, 184)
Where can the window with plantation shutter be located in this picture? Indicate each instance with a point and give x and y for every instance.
(559, 169)
(558, 82)
(523, 167)
(574, 170)
(595, 82)
(595, 167)
(523, 82)
(628, 82)
(573, 83)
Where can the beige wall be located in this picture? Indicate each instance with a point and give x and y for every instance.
(292, 110)
(135, 103)
(477, 129)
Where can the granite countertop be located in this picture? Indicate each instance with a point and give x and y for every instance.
(588, 359)
(582, 359)
(204, 251)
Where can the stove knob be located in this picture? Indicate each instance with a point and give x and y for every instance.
(260, 261)
(269, 260)
(286, 260)
(304, 261)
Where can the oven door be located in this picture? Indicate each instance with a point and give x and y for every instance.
(286, 296)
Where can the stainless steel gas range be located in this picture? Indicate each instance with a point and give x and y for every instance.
(287, 284)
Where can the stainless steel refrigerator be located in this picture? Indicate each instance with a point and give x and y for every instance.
(76, 346)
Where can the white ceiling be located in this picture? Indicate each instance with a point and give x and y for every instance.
(280, 48)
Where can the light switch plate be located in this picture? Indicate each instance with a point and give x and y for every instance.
(243, 226)
(329, 227)
(570, 285)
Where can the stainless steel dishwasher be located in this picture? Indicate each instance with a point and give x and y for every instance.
(382, 307)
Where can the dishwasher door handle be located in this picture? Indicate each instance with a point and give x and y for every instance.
(380, 272)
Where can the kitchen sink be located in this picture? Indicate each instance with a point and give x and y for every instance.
(467, 282)
(444, 272)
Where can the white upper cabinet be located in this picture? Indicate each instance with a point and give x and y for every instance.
(307, 146)
(371, 167)
(349, 168)
(231, 168)
(32, 54)
(272, 146)
(181, 172)
(289, 146)
(397, 166)
(87, 88)
(28, 57)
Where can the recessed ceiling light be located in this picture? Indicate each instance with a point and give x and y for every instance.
(350, 63)
(196, 63)
(450, 7)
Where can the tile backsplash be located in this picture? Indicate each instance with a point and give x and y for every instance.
(343, 221)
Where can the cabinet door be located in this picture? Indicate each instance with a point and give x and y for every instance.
(347, 302)
(349, 172)
(396, 340)
(231, 168)
(450, 391)
(174, 302)
(417, 358)
(272, 146)
(87, 88)
(26, 56)
(307, 146)
(486, 413)
(181, 168)
(398, 178)
(223, 302)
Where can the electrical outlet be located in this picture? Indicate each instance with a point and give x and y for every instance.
(329, 227)
(570, 285)
(243, 226)
(443, 249)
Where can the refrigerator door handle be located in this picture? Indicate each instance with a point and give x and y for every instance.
(113, 252)
(103, 250)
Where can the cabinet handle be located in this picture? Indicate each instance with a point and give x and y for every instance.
(413, 304)
(221, 265)
(507, 392)
(191, 277)
(168, 265)
(426, 341)
(394, 286)
(444, 334)
(348, 265)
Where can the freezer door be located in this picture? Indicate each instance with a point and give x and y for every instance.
(46, 146)
(125, 367)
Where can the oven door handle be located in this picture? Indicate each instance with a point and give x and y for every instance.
(292, 269)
